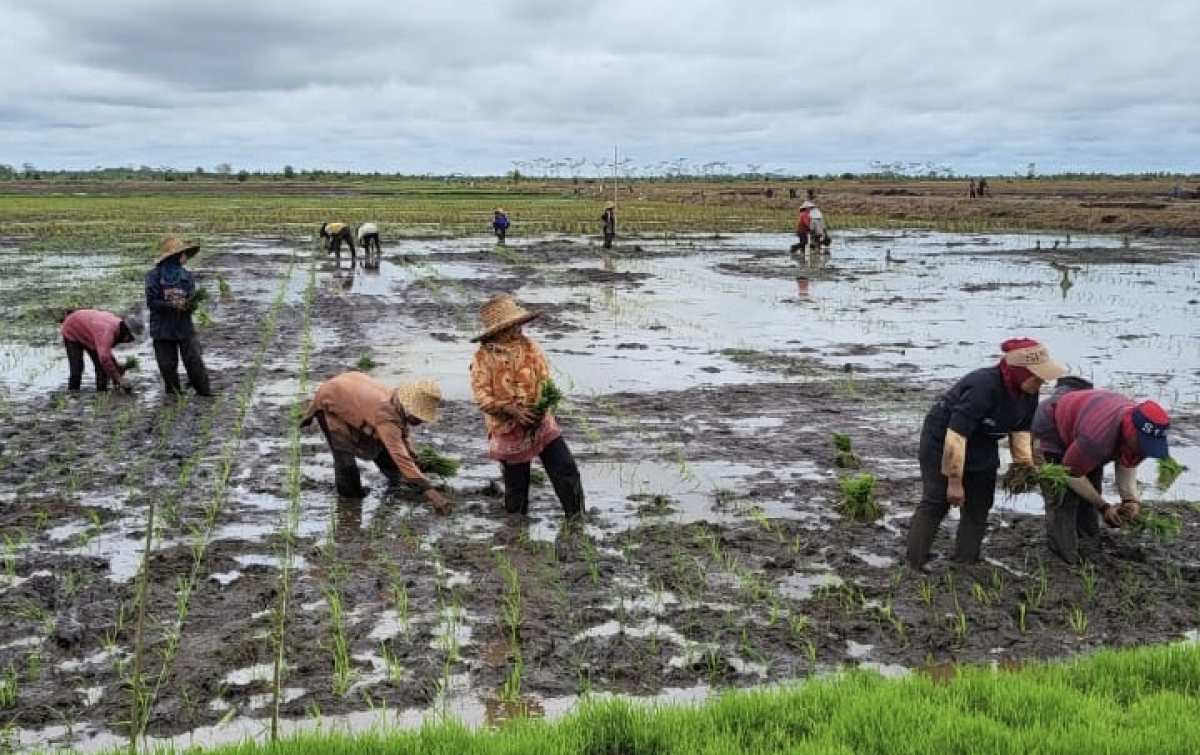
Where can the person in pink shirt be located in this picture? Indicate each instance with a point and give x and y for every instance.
(97, 333)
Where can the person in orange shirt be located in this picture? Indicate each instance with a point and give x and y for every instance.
(508, 374)
(364, 419)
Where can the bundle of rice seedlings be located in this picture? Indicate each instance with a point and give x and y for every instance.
(203, 318)
(1168, 472)
(846, 457)
(365, 363)
(1055, 477)
(548, 399)
(199, 296)
(128, 363)
(429, 460)
(858, 498)
(1162, 528)
(538, 478)
(1020, 478)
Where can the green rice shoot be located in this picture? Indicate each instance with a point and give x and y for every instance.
(549, 397)
(1169, 471)
(1054, 479)
(858, 498)
(129, 363)
(429, 460)
(223, 288)
(846, 458)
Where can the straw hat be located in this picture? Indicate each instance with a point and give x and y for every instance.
(807, 205)
(134, 324)
(420, 399)
(501, 312)
(173, 245)
(609, 206)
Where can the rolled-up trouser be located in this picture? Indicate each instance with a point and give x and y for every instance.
(167, 354)
(1072, 517)
(979, 488)
(75, 352)
(560, 468)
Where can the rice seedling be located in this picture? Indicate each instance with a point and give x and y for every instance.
(1162, 527)
(365, 363)
(200, 296)
(223, 288)
(9, 686)
(129, 363)
(1054, 477)
(1078, 621)
(1169, 471)
(858, 498)
(549, 397)
(1022, 611)
(1019, 479)
(429, 460)
(1087, 573)
(846, 458)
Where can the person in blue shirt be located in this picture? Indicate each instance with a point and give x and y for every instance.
(500, 225)
(170, 296)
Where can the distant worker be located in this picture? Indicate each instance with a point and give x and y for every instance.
(334, 234)
(818, 233)
(803, 227)
(97, 333)
(362, 418)
(368, 239)
(608, 220)
(1084, 429)
(983, 187)
(971, 189)
(500, 225)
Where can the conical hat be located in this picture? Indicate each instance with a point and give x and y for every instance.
(502, 312)
(420, 399)
(173, 245)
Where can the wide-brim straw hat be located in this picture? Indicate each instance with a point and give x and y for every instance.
(173, 245)
(420, 399)
(807, 205)
(609, 206)
(502, 312)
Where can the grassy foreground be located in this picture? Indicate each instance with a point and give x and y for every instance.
(1141, 701)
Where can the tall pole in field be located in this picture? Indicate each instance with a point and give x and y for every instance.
(614, 175)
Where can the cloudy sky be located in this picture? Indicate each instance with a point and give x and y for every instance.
(483, 86)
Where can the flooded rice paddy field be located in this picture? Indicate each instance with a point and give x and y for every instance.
(706, 377)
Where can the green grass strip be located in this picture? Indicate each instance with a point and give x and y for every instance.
(1138, 701)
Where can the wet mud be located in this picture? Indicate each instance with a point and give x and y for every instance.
(713, 555)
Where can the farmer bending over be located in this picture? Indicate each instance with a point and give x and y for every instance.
(334, 234)
(365, 419)
(959, 452)
(97, 333)
(368, 239)
(1084, 429)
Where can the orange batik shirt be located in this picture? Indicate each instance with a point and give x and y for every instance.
(509, 372)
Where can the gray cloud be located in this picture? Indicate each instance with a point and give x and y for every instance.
(475, 85)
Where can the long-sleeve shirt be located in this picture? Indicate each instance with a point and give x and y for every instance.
(166, 322)
(1084, 427)
(363, 418)
(96, 331)
(507, 374)
(979, 408)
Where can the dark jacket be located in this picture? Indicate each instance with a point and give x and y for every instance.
(981, 409)
(166, 322)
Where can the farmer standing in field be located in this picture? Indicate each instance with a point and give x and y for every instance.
(171, 298)
(1083, 429)
(959, 452)
(362, 418)
(509, 375)
(803, 227)
(500, 225)
(97, 333)
(334, 235)
(608, 220)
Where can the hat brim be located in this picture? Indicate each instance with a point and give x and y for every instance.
(507, 324)
(1153, 447)
(1048, 370)
(177, 252)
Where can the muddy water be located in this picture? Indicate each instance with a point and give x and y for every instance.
(705, 379)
